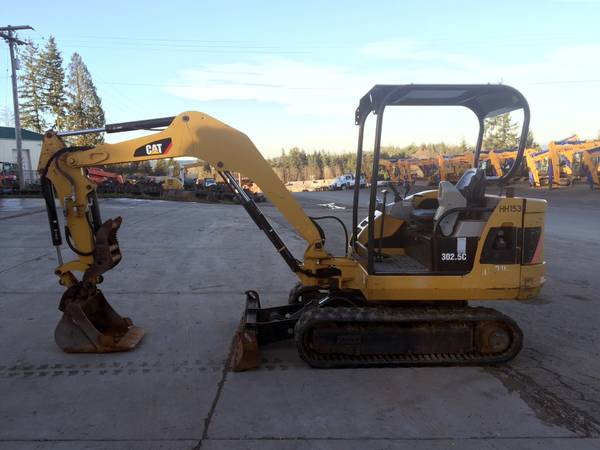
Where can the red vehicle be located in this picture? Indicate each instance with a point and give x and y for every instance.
(9, 180)
(100, 176)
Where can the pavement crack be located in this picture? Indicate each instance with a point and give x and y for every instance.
(215, 402)
(570, 383)
(27, 261)
(29, 213)
(547, 405)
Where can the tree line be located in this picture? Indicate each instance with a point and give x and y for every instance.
(161, 167)
(297, 164)
(52, 96)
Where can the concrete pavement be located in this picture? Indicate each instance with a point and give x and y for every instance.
(182, 278)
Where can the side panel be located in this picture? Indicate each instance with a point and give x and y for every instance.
(486, 281)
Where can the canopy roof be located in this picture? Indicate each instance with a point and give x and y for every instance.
(485, 100)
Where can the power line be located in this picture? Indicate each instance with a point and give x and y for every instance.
(566, 82)
(171, 85)
(443, 39)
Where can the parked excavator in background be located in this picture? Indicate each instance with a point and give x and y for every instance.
(391, 169)
(396, 296)
(500, 160)
(433, 170)
(538, 166)
(451, 168)
(574, 152)
(553, 166)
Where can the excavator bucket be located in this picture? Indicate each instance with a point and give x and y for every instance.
(90, 325)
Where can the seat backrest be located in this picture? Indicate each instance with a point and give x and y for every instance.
(449, 197)
(472, 186)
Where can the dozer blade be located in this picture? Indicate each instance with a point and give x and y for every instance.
(260, 326)
(246, 354)
(90, 325)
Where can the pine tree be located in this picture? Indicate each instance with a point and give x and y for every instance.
(160, 169)
(144, 167)
(51, 67)
(31, 91)
(133, 167)
(500, 133)
(531, 143)
(174, 168)
(84, 109)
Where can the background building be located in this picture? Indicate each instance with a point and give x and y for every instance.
(32, 144)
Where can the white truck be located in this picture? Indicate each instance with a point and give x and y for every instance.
(346, 182)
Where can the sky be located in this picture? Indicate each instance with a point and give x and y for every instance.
(291, 73)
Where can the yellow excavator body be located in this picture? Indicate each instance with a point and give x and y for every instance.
(398, 296)
(589, 152)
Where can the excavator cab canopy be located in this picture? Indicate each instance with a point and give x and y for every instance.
(485, 100)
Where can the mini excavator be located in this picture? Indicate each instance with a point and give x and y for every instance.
(398, 297)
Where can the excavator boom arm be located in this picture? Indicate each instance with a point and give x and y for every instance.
(191, 134)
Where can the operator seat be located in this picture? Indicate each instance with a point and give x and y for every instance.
(472, 186)
(468, 192)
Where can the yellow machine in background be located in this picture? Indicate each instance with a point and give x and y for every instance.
(433, 170)
(537, 164)
(391, 169)
(588, 153)
(500, 159)
(396, 296)
(453, 167)
(172, 183)
(555, 165)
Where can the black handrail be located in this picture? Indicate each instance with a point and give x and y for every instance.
(138, 125)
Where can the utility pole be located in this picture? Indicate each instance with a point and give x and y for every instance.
(8, 34)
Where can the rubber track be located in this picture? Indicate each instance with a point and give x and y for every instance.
(360, 315)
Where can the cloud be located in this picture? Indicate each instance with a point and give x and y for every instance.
(397, 49)
(300, 87)
(410, 50)
(554, 82)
